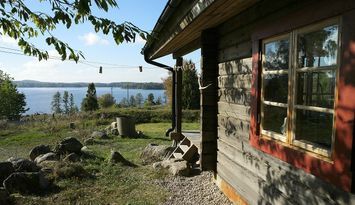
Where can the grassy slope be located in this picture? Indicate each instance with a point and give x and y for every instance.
(112, 184)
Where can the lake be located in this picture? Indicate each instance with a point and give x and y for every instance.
(39, 99)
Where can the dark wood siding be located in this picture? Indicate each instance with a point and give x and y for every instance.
(258, 177)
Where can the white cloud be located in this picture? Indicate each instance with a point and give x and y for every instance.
(6, 40)
(140, 40)
(91, 39)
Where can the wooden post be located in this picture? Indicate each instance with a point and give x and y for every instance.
(209, 97)
(178, 91)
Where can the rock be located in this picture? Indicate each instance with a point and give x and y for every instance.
(99, 135)
(175, 166)
(4, 197)
(115, 132)
(154, 153)
(113, 125)
(89, 141)
(69, 145)
(47, 157)
(26, 183)
(6, 169)
(116, 157)
(72, 125)
(72, 158)
(38, 150)
(24, 165)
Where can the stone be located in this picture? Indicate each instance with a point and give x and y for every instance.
(6, 169)
(115, 132)
(175, 166)
(69, 145)
(39, 150)
(72, 158)
(99, 135)
(154, 153)
(113, 125)
(24, 165)
(26, 183)
(116, 157)
(47, 157)
(89, 141)
(4, 197)
(72, 125)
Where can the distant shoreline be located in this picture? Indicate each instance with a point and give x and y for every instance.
(130, 85)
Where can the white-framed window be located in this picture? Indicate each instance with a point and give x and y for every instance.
(298, 92)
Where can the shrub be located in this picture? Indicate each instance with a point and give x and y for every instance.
(106, 100)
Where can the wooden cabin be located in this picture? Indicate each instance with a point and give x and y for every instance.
(277, 122)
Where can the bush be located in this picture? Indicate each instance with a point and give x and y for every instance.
(106, 100)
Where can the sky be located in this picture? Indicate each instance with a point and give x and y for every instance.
(96, 47)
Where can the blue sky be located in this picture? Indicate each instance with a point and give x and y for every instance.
(96, 47)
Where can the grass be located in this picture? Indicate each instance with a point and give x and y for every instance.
(108, 184)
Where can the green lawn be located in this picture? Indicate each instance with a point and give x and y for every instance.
(110, 184)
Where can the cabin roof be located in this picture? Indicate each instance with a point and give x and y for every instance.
(179, 27)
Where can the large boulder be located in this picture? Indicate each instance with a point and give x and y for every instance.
(155, 153)
(89, 141)
(47, 157)
(116, 157)
(26, 183)
(175, 166)
(6, 169)
(72, 158)
(24, 165)
(99, 135)
(69, 145)
(39, 150)
(4, 197)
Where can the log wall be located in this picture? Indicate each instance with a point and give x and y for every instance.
(256, 177)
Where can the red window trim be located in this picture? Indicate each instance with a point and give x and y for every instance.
(337, 170)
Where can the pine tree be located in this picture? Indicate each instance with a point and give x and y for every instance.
(56, 103)
(90, 103)
(72, 107)
(159, 101)
(150, 100)
(190, 88)
(66, 106)
(139, 99)
(132, 101)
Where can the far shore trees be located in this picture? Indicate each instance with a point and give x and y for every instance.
(90, 103)
(12, 103)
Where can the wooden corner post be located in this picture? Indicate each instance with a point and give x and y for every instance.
(209, 97)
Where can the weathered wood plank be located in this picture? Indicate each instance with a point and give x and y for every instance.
(235, 81)
(234, 125)
(249, 185)
(232, 139)
(242, 50)
(235, 37)
(241, 96)
(234, 110)
(241, 66)
(289, 185)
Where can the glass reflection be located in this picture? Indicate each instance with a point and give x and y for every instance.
(276, 55)
(275, 119)
(315, 127)
(276, 88)
(316, 89)
(318, 48)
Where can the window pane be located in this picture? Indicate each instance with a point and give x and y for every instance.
(316, 89)
(276, 55)
(315, 127)
(274, 119)
(276, 88)
(318, 48)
